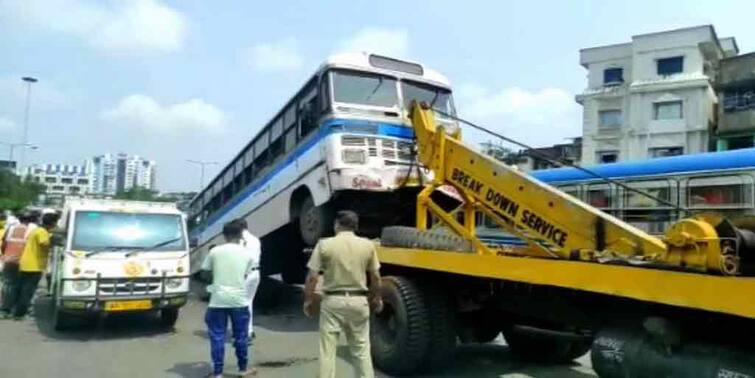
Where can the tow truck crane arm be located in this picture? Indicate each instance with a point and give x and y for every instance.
(555, 224)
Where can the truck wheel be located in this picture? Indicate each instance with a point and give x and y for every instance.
(62, 321)
(168, 317)
(410, 237)
(544, 348)
(400, 333)
(441, 316)
(314, 221)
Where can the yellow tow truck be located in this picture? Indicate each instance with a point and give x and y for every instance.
(681, 305)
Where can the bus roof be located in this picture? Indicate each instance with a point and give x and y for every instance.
(705, 162)
(363, 61)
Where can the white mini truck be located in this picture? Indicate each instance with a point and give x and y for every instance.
(119, 256)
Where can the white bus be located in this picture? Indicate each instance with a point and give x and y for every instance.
(344, 141)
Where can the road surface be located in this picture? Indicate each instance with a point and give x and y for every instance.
(136, 346)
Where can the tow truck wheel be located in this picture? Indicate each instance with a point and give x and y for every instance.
(400, 333)
(442, 322)
(545, 348)
(168, 317)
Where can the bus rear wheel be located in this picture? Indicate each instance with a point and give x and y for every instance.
(314, 221)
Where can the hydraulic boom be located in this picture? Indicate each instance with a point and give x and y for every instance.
(557, 225)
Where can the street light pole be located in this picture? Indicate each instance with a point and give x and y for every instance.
(202, 165)
(29, 81)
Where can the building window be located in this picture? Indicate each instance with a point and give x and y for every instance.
(51, 180)
(613, 76)
(609, 118)
(737, 143)
(739, 100)
(667, 110)
(607, 157)
(670, 66)
(665, 151)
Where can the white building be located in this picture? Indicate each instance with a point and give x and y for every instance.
(117, 173)
(62, 179)
(651, 97)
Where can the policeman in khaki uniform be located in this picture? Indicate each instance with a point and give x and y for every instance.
(345, 261)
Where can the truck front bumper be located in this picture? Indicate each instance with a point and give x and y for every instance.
(117, 299)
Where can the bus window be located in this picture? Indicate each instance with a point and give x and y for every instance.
(324, 93)
(308, 112)
(290, 140)
(600, 196)
(261, 157)
(571, 190)
(365, 89)
(664, 190)
(439, 97)
(720, 192)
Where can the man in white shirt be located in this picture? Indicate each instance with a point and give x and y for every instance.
(230, 264)
(251, 243)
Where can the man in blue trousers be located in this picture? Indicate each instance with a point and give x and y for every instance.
(230, 264)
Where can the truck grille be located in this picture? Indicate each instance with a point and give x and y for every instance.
(124, 286)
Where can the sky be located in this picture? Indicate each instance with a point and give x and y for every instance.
(190, 79)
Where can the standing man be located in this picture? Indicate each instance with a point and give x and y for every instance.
(31, 265)
(13, 246)
(345, 261)
(252, 243)
(229, 263)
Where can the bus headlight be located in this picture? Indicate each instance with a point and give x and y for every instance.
(82, 285)
(352, 156)
(173, 283)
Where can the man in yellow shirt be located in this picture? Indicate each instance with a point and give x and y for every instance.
(30, 267)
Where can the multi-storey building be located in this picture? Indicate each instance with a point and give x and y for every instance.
(62, 179)
(736, 99)
(651, 97)
(121, 172)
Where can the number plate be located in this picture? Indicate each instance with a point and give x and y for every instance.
(128, 305)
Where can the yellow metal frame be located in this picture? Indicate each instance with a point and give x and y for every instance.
(690, 290)
(553, 223)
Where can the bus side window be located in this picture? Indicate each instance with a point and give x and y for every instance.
(324, 93)
(308, 112)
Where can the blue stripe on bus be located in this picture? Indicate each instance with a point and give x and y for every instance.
(705, 162)
(331, 126)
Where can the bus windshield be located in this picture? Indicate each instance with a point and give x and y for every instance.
(440, 98)
(97, 230)
(365, 89)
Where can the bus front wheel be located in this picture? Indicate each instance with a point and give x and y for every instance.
(314, 221)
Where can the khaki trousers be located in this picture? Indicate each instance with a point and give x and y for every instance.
(350, 315)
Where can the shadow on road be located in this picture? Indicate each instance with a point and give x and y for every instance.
(489, 361)
(114, 326)
(191, 369)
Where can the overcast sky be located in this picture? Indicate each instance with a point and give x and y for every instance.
(190, 79)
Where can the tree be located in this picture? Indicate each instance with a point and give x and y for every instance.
(137, 193)
(15, 193)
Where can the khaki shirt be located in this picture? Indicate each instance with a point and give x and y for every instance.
(344, 260)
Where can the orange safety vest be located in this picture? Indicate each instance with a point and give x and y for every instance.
(15, 241)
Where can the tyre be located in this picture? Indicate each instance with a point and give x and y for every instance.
(314, 221)
(168, 317)
(545, 348)
(442, 336)
(62, 320)
(400, 333)
(410, 237)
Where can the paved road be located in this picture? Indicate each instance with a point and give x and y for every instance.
(135, 346)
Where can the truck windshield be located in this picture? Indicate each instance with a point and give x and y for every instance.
(440, 98)
(365, 89)
(98, 230)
